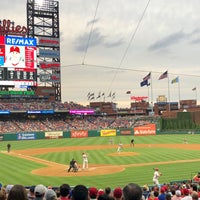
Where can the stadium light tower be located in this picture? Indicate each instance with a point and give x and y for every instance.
(43, 24)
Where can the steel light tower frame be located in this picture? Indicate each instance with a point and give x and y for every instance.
(43, 21)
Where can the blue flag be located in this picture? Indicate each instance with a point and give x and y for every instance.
(143, 83)
(175, 80)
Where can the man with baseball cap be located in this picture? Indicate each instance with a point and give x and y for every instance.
(40, 191)
(117, 193)
(14, 57)
(156, 176)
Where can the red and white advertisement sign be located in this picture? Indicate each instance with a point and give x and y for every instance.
(138, 98)
(49, 65)
(48, 41)
(149, 129)
(79, 134)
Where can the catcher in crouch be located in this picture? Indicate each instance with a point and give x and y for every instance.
(73, 165)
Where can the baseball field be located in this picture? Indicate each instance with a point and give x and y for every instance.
(33, 162)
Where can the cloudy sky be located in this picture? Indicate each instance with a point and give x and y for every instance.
(109, 46)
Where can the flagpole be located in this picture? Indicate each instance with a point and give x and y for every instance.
(151, 94)
(195, 90)
(169, 94)
(103, 95)
(196, 94)
(179, 93)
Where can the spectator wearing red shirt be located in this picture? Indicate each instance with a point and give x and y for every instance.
(196, 178)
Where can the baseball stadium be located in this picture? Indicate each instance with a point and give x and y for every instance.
(40, 134)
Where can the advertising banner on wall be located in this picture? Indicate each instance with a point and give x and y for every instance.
(149, 129)
(79, 134)
(53, 134)
(26, 136)
(1, 137)
(108, 132)
(125, 132)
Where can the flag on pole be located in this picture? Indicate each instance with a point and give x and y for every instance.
(92, 98)
(90, 95)
(110, 94)
(175, 80)
(143, 83)
(99, 95)
(164, 75)
(193, 89)
(113, 95)
(147, 77)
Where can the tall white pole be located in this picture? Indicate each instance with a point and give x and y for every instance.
(169, 93)
(152, 92)
(179, 93)
(196, 94)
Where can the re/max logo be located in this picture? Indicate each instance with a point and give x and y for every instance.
(18, 41)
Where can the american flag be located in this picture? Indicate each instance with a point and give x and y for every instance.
(164, 75)
(147, 77)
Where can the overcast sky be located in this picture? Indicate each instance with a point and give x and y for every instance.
(111, 45)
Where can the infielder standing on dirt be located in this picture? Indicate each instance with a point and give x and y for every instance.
(120, 147)
(85, 160)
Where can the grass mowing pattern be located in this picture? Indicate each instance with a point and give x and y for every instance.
(17, 171)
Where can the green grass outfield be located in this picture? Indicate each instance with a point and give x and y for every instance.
(15, 170)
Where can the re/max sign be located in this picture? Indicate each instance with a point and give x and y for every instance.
(18, 41)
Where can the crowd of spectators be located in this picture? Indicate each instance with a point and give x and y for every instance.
(68, 124)
(53, 123)
(176, 191)
(40, 105)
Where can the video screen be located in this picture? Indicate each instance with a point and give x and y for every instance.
(18, 61)
(81, 112)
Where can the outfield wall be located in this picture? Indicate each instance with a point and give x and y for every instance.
(149, 129)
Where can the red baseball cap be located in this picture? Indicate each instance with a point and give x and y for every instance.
(117, 193)
(14, 48)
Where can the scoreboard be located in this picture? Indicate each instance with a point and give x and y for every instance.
(18, 61)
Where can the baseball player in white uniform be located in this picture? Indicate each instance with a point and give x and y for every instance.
(156, 176)
(85, 160)
(119, 148)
